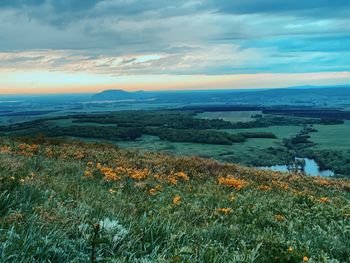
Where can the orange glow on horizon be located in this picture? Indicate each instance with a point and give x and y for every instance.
(80, 82)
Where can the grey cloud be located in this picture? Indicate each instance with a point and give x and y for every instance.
(199, 36)
(312, 8)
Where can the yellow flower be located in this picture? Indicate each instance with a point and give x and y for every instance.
(21, 181)
(176, 200)
(305, 259)
(12, 178)
(290, 249)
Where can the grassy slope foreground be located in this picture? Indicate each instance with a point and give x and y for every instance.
(78, 202)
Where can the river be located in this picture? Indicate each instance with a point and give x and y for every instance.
(311, 168)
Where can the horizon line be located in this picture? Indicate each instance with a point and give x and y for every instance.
(173, 90)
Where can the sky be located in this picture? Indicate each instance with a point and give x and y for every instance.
(51, 46)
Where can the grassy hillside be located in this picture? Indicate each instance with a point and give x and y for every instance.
(79, 202)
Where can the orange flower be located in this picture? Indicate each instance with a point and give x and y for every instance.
(152, 191)
(109, 174)
(176, 200)
(323, 182)
(172, 180)
(23, 146)
(279, 217)
(233, 182)
(140, 174)
(28, 150)
(324, 200)
(5, 149)
(88, 174)
(225, 210)
(79, 155)
(281, 185)
(48, 152)
(158, 177)
(183, 176)
(121, 170)
(305, 259)
(264, 187)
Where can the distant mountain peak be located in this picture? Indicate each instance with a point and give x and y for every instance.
(119, 94)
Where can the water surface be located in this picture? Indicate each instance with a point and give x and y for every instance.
(311, 168)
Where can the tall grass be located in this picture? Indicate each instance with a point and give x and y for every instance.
(76, 202)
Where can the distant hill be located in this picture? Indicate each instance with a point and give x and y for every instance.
(308, 95)
(114, 95)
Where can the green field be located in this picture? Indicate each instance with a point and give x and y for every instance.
(246, 152)
(280, 131)
(233, 116)
(332, 137)
(209, 150)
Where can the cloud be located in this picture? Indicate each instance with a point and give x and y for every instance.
(212, 37)
(301, 8)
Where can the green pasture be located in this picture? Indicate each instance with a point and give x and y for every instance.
(332, 137)
(232, 116)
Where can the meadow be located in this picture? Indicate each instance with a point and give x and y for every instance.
(234, 116)
(65, 201)
(334, 137)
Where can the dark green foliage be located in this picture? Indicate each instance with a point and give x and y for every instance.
(266, 135)
(99, 132)
(175, 126)
(197, 136)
